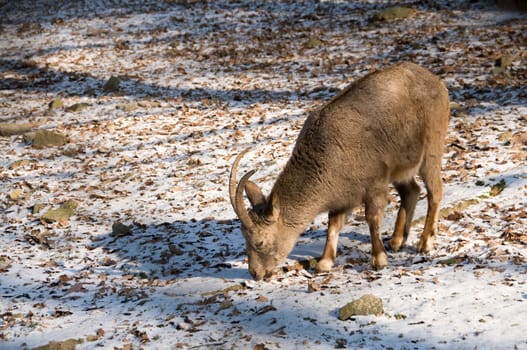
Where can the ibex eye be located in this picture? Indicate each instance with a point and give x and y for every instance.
(258, 245)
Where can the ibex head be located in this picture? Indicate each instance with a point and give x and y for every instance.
(262, 228)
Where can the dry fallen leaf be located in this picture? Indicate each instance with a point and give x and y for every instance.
(312, 286)
(261, 299)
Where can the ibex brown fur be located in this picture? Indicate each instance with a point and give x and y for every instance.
(385, 128)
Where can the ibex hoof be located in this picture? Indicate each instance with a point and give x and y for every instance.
(380, 261)
(395, 244)
(424, 246)
(324, 265)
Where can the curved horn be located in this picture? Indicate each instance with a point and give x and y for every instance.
(236, 192)
(232, 179)
(240, 205)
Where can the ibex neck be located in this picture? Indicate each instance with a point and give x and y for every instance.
(298, 198)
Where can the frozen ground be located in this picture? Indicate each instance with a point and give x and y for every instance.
(198, 83)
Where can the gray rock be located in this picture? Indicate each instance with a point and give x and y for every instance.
(77, 107)
(7, 129)
(62, 214)
(112, 85)
(56, 104)
(128, 107)
(391, 13)
(367, 305)
(120, 230)
(45, 138)
(5, 263)
(69, 344)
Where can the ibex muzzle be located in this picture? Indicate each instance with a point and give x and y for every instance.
(385, 128)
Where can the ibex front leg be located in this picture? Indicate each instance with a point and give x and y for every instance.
(335, 224)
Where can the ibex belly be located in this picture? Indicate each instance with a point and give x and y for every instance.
(405, 172)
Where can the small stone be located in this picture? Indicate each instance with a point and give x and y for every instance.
(497, 188)
(19, 164)
(7, 129)
(56, 215)
(92, 338)
(128, 107)
(309, 264)
(400, 316)
(149, 104)
(120, 230)
(367, 305)
(341, 343)
(107, 261)
(5, 263)
(312, 43)
(62, 214)
(452, 261)
(454, 106)
(72, 150)
(391, 13)
(235, 312)
(16, 194)
(77, 107)
(45, 138)
(505, 136)
(37, 207)
(69, 344)
(29, 27)
(226, 304)
(519, 139)
(70, 204)
(56, 104)
(96, 31)
(112, 85)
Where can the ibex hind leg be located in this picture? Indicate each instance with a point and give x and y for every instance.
(335, 224)
(409, 192)
(431, 175)
(374, 213)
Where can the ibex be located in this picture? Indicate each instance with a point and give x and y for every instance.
(387, 127)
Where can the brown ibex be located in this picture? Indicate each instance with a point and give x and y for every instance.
(385, 128)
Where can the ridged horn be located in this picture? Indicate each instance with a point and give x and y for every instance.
(236, 192)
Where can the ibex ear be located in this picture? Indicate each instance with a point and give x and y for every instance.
(254, 194)
(274, 208)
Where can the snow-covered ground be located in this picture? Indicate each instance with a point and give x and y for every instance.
(198, 83)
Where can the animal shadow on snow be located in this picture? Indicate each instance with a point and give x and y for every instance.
(215, 248)
(179, 249)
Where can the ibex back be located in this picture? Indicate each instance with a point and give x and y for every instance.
(385, 128)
